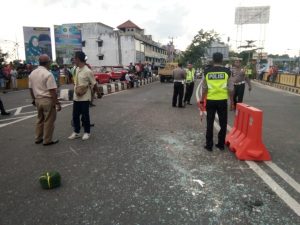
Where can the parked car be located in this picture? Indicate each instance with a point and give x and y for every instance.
(116, 72)
(100, 75)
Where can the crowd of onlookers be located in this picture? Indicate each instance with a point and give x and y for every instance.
(9, 73)
(137, 72)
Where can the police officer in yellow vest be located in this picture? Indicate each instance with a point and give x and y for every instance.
(189, 80)
(217, 88)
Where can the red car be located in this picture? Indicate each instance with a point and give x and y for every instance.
(116, 72)
(106, 74)
(100, 75)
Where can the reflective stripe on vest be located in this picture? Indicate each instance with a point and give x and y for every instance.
(190, 75)
(248, 71)
(217, 85)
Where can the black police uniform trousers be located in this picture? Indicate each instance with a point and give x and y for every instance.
(213, 107)
(238, 95)
(189, 92)
(178, 94)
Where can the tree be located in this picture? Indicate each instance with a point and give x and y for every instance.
(196, 51)
(3, 57)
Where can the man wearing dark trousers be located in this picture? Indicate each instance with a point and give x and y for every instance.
(189, 80)
(217, 87)
(179, 75)
(83, 77)
(239, 78)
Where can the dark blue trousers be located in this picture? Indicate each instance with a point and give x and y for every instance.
(81, 108)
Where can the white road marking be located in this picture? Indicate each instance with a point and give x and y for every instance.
(19, 109)
(23, 113)
(284, 176)
(16, 121)
(291, 202)
(73, 150)
(12, 118)
(19, 119)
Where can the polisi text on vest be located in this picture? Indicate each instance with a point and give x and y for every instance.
(216, 76)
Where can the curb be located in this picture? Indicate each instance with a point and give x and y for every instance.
(280, 86)
(109, 88)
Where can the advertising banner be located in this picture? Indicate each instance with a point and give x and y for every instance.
(252, 15)
(67, 41)
(37, 41)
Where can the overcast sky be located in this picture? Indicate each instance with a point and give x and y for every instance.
(160, 18)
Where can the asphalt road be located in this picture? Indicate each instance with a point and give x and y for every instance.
(145, 164)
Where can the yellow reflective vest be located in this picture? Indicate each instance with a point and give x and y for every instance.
(217, 85)
(190, 75)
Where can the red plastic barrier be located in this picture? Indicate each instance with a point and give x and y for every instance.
(245, 138)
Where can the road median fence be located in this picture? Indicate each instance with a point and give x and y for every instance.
(288, 82)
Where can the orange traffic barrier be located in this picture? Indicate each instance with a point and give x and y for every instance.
(245, 138)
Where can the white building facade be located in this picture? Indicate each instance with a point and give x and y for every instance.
(105, 46)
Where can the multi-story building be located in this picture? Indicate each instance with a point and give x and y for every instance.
(136, 46)
(105, 46)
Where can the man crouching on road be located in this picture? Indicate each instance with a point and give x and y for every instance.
(217, 87)
(42, 88)
(84, 77)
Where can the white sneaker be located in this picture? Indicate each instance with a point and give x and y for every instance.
(86, 136)
(74, 136)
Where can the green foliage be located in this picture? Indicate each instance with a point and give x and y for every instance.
(197, 49)
(3, 56)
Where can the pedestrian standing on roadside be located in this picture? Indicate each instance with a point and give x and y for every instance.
(43, 89)
(13, 78)
(84, 78)
(239, 78)
(217, 87)
(189, 84)
(179, 75)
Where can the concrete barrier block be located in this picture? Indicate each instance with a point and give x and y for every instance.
(112, 87)
(66, 94)
(119, 86)
(104, 89)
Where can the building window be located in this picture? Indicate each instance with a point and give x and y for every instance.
(101, 57)
(100, 42)
(83, 43)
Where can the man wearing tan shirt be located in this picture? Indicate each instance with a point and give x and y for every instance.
(42, 88)
(179, 75)
(83, 77)
(239, 78)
